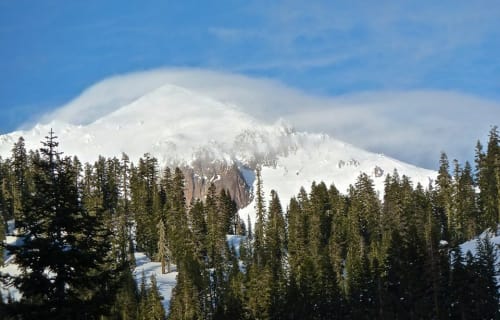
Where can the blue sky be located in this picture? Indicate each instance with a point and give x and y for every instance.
(52, 50)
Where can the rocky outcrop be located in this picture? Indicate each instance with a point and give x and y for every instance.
(201, 174)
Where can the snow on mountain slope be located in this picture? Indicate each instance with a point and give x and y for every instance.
(321, 158)
(493, 237)
(179, 126)
(170, 122)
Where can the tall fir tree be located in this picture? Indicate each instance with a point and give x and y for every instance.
(444, 199)
(163, 253)
(20, 169)
(260, 212)
(64, 256)
(275, 245)
(485, 288)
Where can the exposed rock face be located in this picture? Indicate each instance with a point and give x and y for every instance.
(378, 172)
(225, 177)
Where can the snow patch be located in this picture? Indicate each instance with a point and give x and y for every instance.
(166, 282)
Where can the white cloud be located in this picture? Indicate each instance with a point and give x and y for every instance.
(413, 126)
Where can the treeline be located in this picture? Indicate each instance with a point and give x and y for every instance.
(328, 255)
(331, 255)
(79, 225)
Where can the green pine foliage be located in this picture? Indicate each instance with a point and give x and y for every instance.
(326, 255)
(65, 254)
(3, 228)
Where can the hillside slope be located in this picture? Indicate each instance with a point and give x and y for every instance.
(216, 142)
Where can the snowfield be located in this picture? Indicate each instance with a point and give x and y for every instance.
(9, 266)
(494, 239)
(165, 282)
(179, 126)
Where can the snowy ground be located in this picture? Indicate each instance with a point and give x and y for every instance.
(166, 282)
(472, 244)
(235, 242)
(9, 266)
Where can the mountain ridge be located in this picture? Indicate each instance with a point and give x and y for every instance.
(183, 128)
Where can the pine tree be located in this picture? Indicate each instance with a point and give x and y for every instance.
(258, 294)
(365, 208)
(275, 245)
(359, 285)
(444, 200)
(485, 285)
(461, 294)
(259, 251)
(2, 237)
(7, 188)
(436, 264)
(19, 168)
(199, 229)
(297, 241)
(164, 255)
(466, 205)
(177, 222)
(229, 213)
(188, 299)
(62, 238)
(215, 228)
(126, 302)
(234, 297)
(155, 309)
(487, 177)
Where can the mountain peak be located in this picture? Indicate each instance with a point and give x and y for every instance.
(184, 128)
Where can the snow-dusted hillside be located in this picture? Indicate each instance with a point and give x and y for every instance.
(179, 127)
(494, 238)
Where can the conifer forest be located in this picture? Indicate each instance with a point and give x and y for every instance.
(324, 254)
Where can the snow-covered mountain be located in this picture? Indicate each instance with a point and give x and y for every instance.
(219, 143)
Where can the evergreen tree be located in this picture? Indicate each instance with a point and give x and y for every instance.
(258, 294)
(466, 205)
(7, 188)
(19, 168)
(275, 245)
(199, 229)
(259, 251)
(177, 222)
(188, 299)
(235, 295)
(406, 291)
(2, 238)
(485, 285)
(64, 254)
(487, 180)
(461, 291)
(360, 290)
(164, 255)
(229, 213)
(126, 302)
(217, 251)
(444, 199)
(365, 209)
(155, 309)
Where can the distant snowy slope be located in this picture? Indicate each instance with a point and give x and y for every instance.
(181, 127)
(471, 246)
(322, 158)
(169, 122)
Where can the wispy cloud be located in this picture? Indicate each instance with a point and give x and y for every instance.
(233, 34)
(414, 126)
(385, 44)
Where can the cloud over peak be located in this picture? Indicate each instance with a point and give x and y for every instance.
(413, 126)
